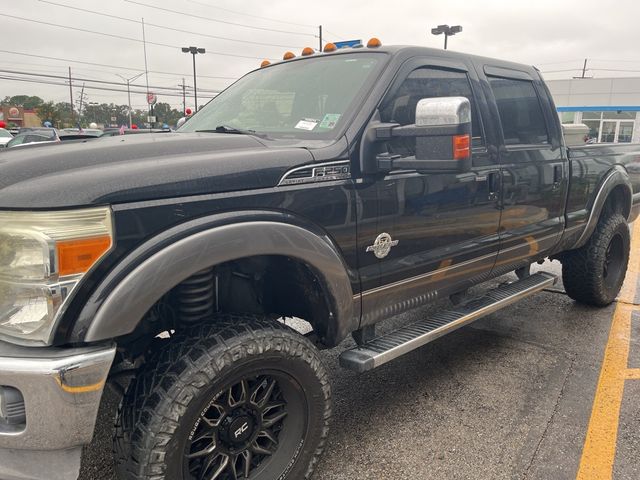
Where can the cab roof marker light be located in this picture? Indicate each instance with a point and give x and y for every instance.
(265, 63)
(330, 47)
(288, 56)
(374, 43)
(306, 51)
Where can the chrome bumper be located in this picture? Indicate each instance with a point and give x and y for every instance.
(61, 389)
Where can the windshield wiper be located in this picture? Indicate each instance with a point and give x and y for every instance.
(233, 130)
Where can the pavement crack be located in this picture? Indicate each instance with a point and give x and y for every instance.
(551, 417)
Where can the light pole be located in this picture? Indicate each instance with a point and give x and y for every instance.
(447, 30)
(194, 51)
(129, 90)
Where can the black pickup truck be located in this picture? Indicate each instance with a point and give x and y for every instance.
(340, 189)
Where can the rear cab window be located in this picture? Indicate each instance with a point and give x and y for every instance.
(520, 109)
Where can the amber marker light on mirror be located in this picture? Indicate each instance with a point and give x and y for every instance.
(306, 51)
(265, 63)
(288, 56)
(330, 47)
(461, 147)
(374, 43)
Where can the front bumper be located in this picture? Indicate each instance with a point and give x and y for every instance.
(61, 389)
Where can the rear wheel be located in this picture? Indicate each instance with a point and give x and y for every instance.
(247, 398)
(593, 274)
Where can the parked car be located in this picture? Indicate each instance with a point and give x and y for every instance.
(89, 132)
(30, 136)
(340, 188)
(5, 136)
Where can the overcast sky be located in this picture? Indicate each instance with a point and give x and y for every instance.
(555, 35)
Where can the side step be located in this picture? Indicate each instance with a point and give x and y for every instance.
(380, 350)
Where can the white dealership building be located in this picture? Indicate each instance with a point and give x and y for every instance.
(610, 107)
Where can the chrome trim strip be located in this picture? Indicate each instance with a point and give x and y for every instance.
(312, 178)
(416, 278)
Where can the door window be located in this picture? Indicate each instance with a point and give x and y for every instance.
(427, 82)
(520, 111)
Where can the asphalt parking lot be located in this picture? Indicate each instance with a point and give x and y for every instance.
(517, 395)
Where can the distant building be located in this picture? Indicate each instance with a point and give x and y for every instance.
(22, 117)
(610, 107)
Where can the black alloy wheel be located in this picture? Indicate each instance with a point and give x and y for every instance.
(247, 425)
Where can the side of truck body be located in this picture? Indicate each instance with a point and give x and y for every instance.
(232, 231)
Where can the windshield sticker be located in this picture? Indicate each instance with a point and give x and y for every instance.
(330, 120)
(306, 124)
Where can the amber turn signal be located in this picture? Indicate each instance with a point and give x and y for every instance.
(461, 147)
(77, 256)
(306, 51)
(330, 47)
(288, 56)
(265, 63)
(374, 43)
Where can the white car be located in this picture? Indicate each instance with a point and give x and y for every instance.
(5, 136)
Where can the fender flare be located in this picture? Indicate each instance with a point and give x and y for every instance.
(130, 297)
(614, 178)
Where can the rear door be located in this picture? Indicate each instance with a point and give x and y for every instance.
(533, 167)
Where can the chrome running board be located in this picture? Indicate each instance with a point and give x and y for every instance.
(392, 345)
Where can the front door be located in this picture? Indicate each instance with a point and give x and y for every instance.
(435, 233)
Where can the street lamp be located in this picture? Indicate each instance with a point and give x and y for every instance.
(447, 30)
(194, 51)
(129, 90)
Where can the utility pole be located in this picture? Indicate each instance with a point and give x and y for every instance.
(584, 68)
(80, 105)
(320, 36)
(71, 95)
(146, 70)
(184, 97)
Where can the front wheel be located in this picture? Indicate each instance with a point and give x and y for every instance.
(593, 274)
(243, 398)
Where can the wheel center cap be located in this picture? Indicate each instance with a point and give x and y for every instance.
(240, 429)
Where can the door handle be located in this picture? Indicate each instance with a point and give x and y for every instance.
(557, 177)
(493, 183)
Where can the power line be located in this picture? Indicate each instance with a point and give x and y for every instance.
(104, 82)
(122, 37)
(200, 17)
(249, 15)
(164, 26)
(120, 67)
(107, 89)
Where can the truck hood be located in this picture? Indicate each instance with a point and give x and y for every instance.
(132, 168)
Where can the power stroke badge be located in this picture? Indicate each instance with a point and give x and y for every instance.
(382, 245)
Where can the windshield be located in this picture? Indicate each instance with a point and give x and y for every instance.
(5, 134)
(300, 99)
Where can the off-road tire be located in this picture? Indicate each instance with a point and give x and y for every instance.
(160, 402)
(583, 269)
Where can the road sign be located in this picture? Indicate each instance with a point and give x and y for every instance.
(347, 43)
(151, 98)
(113, 119)
(151, 119)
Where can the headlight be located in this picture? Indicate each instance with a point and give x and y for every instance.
(43, 257)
